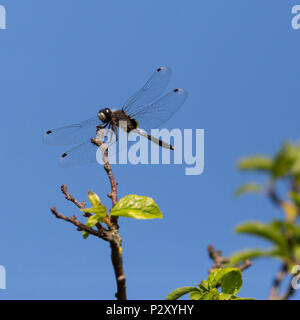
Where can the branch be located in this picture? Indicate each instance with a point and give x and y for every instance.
(220, 261)
(274, 197)
(274, 293)
(80, 205)
(116, 244)
(64, 190)
(276, 283)
(103, 234)
(111, 234)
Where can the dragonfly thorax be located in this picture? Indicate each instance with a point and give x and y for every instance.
(105, 115)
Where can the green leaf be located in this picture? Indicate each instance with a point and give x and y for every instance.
(203, 286)
(239, 298)
(215, 277)
(85, 234)
(213, 294)
(256, 163)
(225, 296)
(296, 252)
(94, 199)
(230, 279)
(99, 210)
(287, 161)
(247, 188)
(177, 293)
(265, 231)
(245, 254)
(93, 220)
(196, 295)
(285, 227)
(136, 207)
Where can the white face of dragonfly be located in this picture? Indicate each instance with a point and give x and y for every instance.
(104, 115)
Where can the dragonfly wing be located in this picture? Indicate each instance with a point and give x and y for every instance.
(73, 134)
(152, 89)
(154, 115)
(87, 152)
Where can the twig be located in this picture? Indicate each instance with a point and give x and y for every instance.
(274, 293)
(112, 233)
(80, 205)
(64, 190)
(216, 256)
(282, 273)
(221, 262)
(103, 234)
(116, 244)
(289, 293)
(274, 197)
(276, 283)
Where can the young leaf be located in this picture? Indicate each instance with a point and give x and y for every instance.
(93, 220)
(232, 281)
(225, 296)
(256, 163)
(177, 293)
(94, 199)
(203, 286)
(215, 277)
(238, 298)
(243, 255)
(213, 294)
(285, 227)
(137, 207)
(85, 234)
(97, 207)
(285, 161)
(98, 210)
(265, 231)
(247, 188)
(196, 295)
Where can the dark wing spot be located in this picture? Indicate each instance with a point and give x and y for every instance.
(160, 69)
(64, 155)
(48, 132)
(176, 90)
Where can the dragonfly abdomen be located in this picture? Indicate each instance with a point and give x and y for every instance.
(160, 142)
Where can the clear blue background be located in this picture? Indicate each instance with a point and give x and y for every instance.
(62, 60)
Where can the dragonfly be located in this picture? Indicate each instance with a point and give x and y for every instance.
(146, 109)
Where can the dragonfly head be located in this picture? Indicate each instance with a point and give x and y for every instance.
(105, 115)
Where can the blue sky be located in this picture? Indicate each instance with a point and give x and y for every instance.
(60, 61)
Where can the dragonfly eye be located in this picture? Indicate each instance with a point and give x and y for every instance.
(102, 116)
(108, 112)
